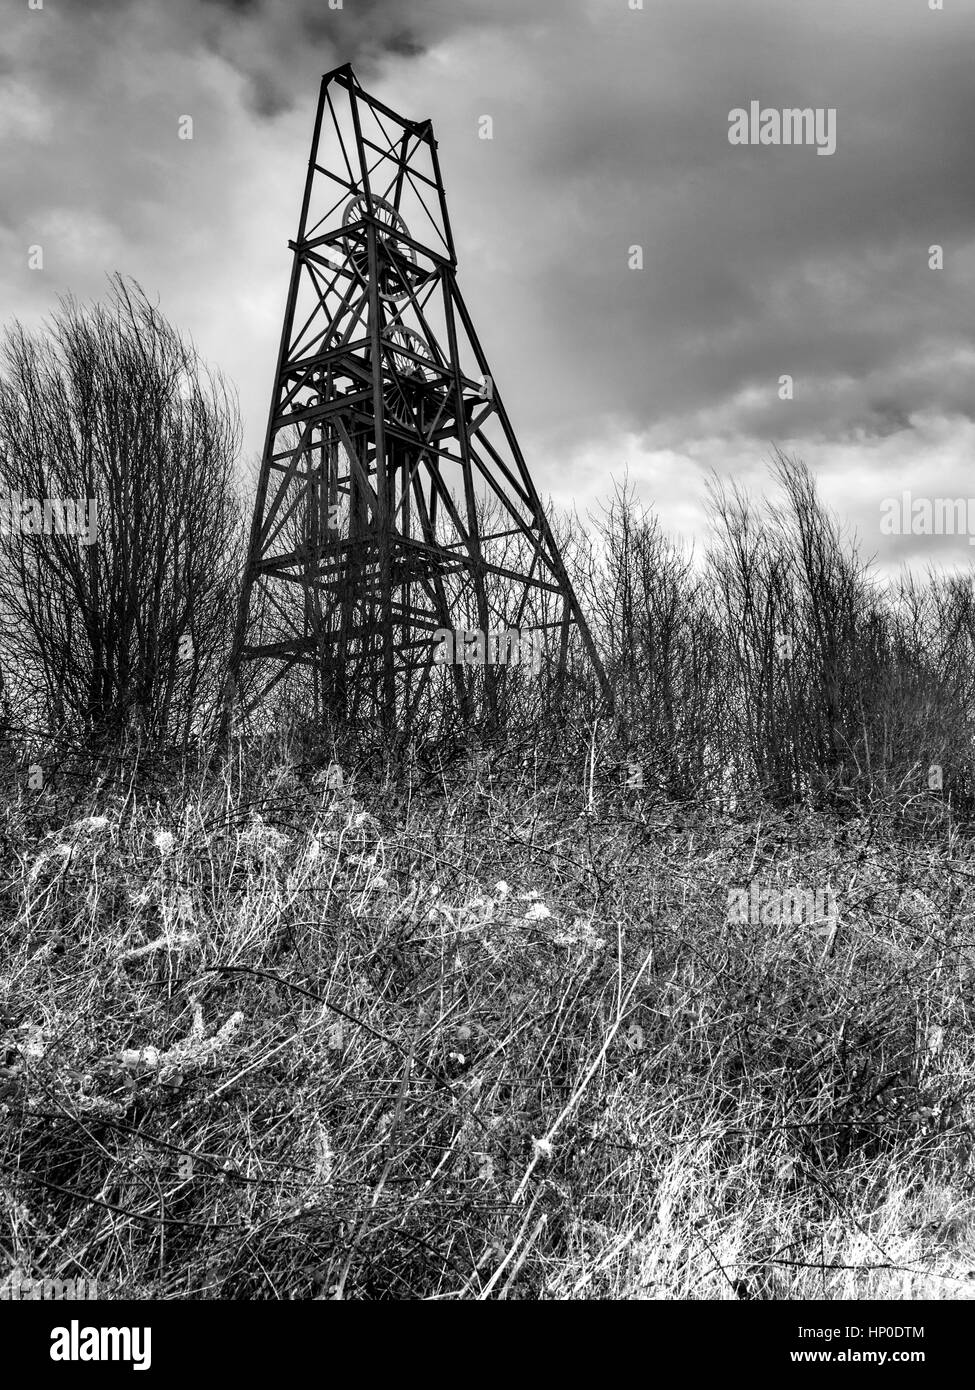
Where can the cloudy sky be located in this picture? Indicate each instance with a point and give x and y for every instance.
(610, 131)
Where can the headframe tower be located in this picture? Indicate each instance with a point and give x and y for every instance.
(386, 437)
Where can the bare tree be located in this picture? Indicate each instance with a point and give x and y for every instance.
(119, 565)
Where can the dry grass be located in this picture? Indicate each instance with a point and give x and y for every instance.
(457, 1038)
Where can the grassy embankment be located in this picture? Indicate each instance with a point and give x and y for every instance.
(463, 1038)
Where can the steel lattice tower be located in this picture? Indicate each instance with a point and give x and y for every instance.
(386, 434)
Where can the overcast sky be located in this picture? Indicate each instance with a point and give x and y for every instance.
(610, 130)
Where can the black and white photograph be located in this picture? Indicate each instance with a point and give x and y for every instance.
(487, 673)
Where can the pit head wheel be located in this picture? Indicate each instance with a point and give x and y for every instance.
(412, 346)
(407, 346)
(397, 259)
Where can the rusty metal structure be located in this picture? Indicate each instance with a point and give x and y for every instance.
(387, 446)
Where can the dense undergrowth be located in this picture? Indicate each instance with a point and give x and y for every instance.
(478, 1033)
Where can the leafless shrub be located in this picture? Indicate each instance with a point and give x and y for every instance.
(111, 404)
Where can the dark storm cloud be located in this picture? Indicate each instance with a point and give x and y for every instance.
(275, 43)
(611, 130)
(764, 261)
